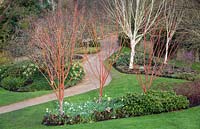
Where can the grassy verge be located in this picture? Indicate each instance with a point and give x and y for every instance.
(8, 97)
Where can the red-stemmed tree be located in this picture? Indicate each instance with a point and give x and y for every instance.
(153, 61)
(52, 45)
(100, 64)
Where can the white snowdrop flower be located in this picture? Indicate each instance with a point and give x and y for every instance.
(32, 65)
(109, 98)
(28, 69)
(66, 103)
(47, 110)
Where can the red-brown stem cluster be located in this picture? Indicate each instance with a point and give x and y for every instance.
(153, 61)
(98, 65)
(52, 46)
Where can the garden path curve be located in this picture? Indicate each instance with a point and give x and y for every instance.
(88, 83)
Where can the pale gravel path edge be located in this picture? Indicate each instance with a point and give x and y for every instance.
(83, 87)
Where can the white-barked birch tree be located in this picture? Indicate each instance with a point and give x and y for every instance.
(172, 18)
(134, 16)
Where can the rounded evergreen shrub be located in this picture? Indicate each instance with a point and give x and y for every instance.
(152, 102)
(12, 83)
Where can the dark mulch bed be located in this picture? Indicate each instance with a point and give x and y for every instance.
(168, 71)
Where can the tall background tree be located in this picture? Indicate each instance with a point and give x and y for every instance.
(172, 18)
(133, 16)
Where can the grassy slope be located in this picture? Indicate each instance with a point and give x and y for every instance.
(121, 84)
(7, 97)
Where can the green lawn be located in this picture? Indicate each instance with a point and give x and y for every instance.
(30, 118)
(196, 66)
(8, 97)
(89, 50)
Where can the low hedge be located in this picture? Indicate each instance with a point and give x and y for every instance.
(129, 105)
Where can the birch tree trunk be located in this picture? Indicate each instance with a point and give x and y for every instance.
(167, 51)
(133, 44)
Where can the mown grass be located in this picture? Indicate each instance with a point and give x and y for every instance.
(8, 97)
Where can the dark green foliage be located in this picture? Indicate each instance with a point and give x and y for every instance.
(12, 83)
(13, 17)
(124, 59)
(152, 102)
(37, 83)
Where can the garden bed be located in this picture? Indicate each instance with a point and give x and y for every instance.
(177, 73)
(26, 77)
(130, 105)
(169, 70)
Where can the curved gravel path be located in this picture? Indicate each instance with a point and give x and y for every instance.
(88, 83)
